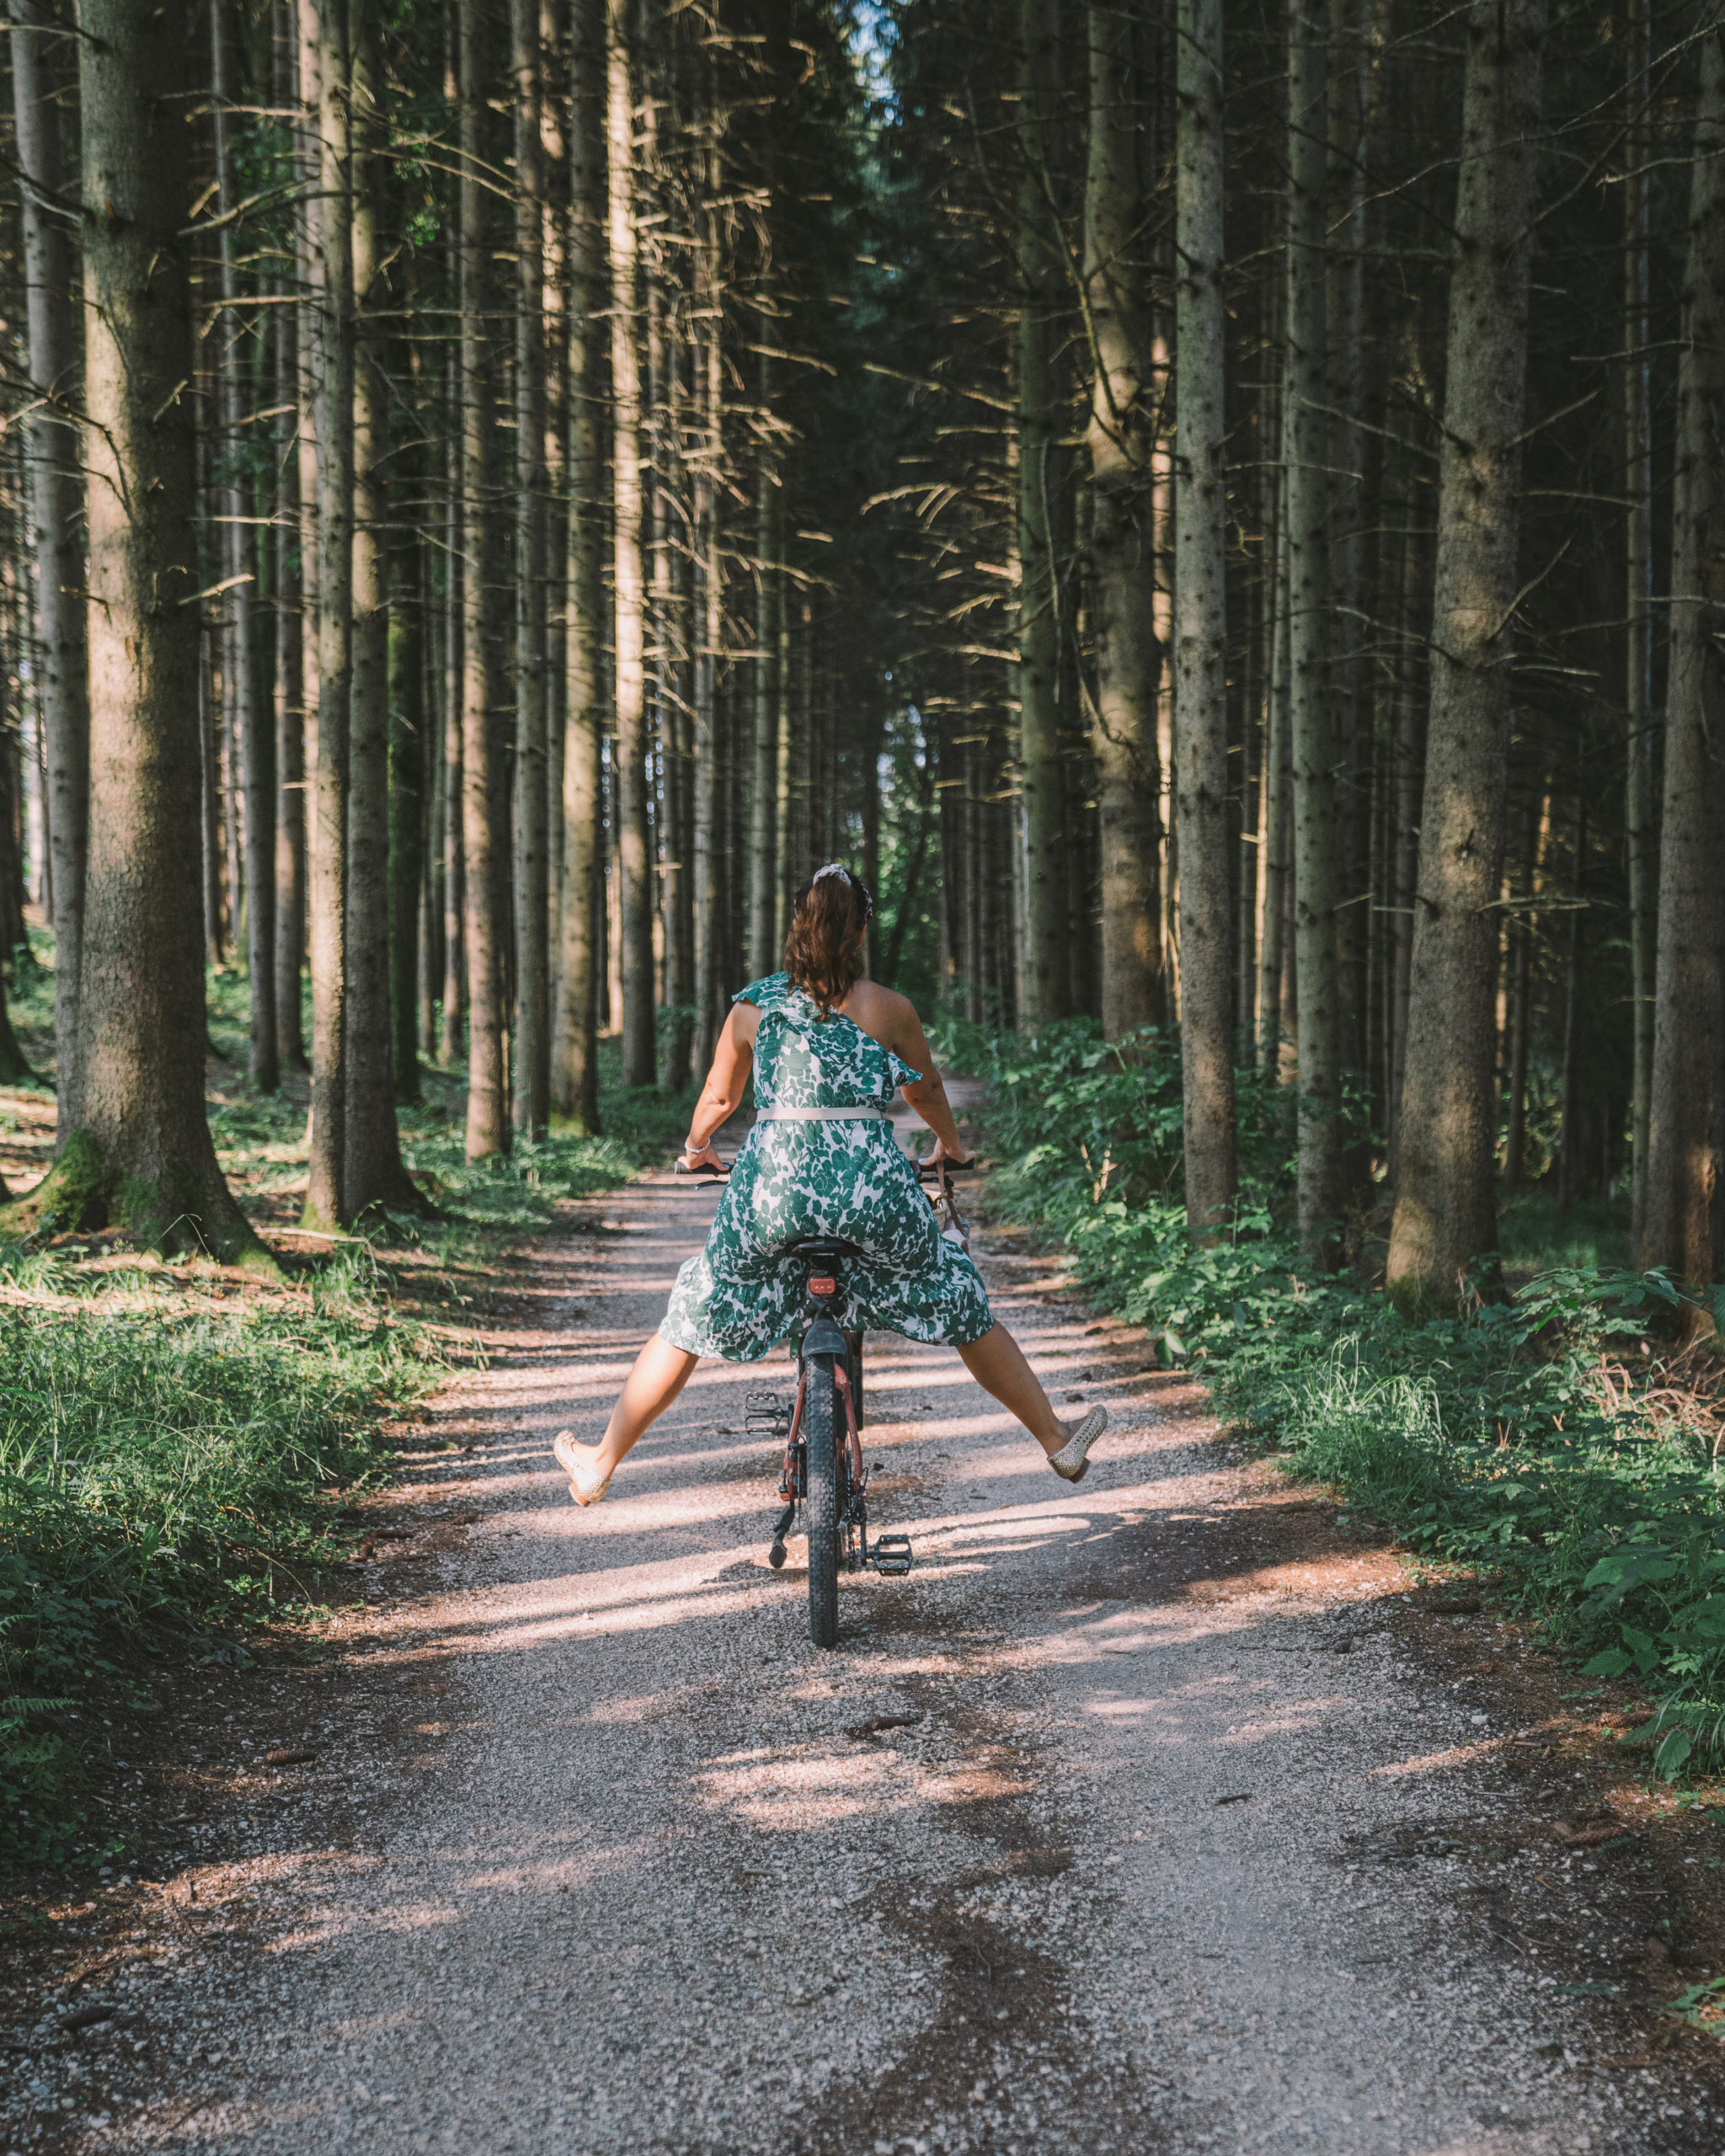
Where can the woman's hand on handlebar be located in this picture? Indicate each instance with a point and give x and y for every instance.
(701, 1160)
(953, 1160)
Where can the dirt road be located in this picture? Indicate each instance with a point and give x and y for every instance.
(1124, 1822)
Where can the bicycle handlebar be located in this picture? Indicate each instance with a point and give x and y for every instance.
(931, 1171)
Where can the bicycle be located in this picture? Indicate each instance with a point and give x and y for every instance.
(823, 1470)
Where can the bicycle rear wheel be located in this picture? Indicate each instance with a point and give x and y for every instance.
(821, 1428)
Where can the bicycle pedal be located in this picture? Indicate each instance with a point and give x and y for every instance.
(891, 1555)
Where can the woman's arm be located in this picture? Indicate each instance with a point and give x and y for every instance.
(926, 1095)
(722, 1096)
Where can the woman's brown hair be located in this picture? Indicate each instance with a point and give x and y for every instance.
(824, 949)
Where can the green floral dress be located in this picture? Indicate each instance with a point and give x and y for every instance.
(741, 1295)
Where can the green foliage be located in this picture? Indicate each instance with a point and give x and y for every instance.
(1539, 1439)
(163, 1469)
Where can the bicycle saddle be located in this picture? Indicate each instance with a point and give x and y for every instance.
(822, 1247)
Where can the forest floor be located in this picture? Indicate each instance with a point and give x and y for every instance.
(1165, 1814)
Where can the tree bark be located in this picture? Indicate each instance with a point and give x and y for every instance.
(412, 732)
(1311, 728)
(763, 793)
(1128, 656)
(1639, 810)
(1200, 631)
(1521, 927)
(1278, 808)
(532, 894)
(248, 694)
(634, 860)
(1406, 783)
(1686, 1184)
(1445, 1218)
(142, 1155)
(1046, 973)
(487, 1116)
(325, 67)
(373, 1173)
(290, 824)
(1571, 1139)
(56, 511)
(454, 1000)
(709, 623)
(575, 1066)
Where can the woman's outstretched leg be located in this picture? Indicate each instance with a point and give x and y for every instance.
(659, 1374)
(997, 1363)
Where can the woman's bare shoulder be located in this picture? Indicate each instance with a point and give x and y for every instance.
(882, 1012)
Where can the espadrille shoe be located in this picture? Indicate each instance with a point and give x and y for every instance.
(576, 1461)
(1069, 1462)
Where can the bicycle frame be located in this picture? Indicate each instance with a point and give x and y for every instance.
(889, 1554)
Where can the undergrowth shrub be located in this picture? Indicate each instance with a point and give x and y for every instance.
(161, 1469)
(1546, 1439)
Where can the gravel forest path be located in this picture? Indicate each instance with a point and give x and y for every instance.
(1087, 1838)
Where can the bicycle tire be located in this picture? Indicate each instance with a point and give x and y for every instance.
(824, 1503)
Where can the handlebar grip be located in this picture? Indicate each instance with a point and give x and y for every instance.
(704, 1172)
(929, 1170)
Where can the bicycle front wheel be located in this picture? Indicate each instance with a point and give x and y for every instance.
(821, 1428)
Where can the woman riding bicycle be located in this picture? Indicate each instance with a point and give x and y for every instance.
(828, 1049)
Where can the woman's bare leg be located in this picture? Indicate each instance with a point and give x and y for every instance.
(997, 1363)
(660, 1373)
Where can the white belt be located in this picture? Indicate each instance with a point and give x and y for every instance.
(820, 1115)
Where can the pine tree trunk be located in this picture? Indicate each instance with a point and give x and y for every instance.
(373, 1173)
(1278, 818)
(454, 1006)
(142, 1155)
(1445, 1214)
(783, 821)
(289, 706)
(1046, 968)
(1685, 1187)
(763, 788)
(412, 734)
(14, 1064)
(482, 575)
(248, 696)
(670, 690)
(56, 511)
(1200, 632)
(1128, 656)
(709, 626)
(532, 894)
(323, 90)
(1571, 1167)
(1520, 1011)
(575, 1066)
(634, 858)
(1408, 784)
(1311, 728)
(1345, 671)
(1639, 814)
